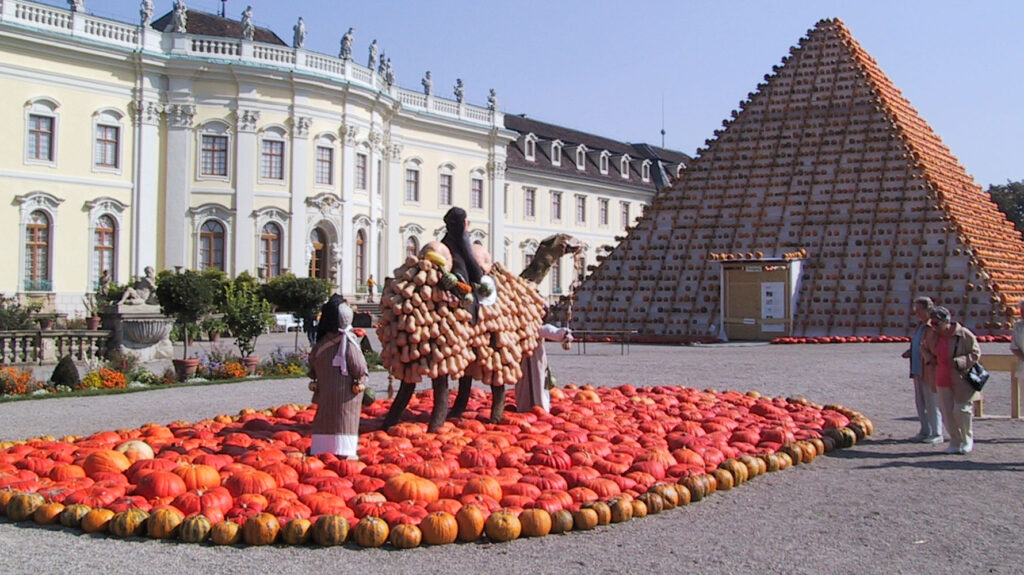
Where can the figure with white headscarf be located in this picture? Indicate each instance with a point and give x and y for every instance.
(338, 370)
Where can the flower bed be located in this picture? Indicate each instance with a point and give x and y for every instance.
(601, 456)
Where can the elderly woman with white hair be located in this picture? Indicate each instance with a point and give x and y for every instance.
(953, 350)
(338, 372)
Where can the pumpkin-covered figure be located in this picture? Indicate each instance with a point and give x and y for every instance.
(338, 370)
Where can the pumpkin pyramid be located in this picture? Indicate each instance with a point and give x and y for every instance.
(829, 167)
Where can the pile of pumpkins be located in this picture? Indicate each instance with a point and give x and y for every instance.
(534, 474)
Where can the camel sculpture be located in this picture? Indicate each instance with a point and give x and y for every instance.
(425, 331)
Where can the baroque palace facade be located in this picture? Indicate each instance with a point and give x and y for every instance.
(195, 141)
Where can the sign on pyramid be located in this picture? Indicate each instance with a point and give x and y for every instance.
(823, 207)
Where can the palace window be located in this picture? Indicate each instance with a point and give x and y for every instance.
(602, 211)
(214, 156)
(530, 147)
(318, 257)
(107, 147)
(270, 250)
(412, 184)
(41, 137)
(211, 245)
(556, 206)
(529, 202)
(272, 159)
(325, 165)
(444, 186)
(476, 193)
(362, 170)
(37, 252)
(624, 214)
(104, 246)
(581, 209)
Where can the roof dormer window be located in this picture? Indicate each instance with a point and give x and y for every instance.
(645, 171)
(604, 161)
(530, 147)
(624, 166)
(581, 157)
(556, 153)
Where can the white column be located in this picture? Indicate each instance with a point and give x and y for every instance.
(177, 192)
(496, 173)
(393, 194)
(146, 203)
(346, 232)
(246, 167)
(300, 179)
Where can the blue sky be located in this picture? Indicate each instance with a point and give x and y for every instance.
(606, 66)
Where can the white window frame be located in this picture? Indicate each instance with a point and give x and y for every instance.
(46, 107)
(113, 209)
(603, 212)
(624, 166)
(474, 177)
(581, 157)
(272, 134)
(48, 204)
(605, 155)
(624, 214)
(329, 142)
(580, 209)
(531, 193)
(557, 207)
(446, 172)
(645, 171)
(280, 218)
(108, 118)
(556, 153)
(217, 129)
(225, 217)
(530, 147)
(412, 165)
(361, 153)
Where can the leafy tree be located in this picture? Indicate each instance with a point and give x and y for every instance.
(15, 316)
(1010, 200)
(247, 315)
(301, 296)
(186, 297)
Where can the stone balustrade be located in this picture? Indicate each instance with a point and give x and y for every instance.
(48, 346)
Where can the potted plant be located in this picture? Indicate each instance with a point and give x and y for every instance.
(185, 297)
(300, 296)
(247, 315)
(213, 326)
(92, 312)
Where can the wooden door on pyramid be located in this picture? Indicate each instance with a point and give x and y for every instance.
(757, 299)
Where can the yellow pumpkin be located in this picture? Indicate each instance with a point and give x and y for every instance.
(73, 514)
(22, 505)
(604, 512)
(561, 521)
(96, 520)
(406, 536)
(48, 513)
(128, 523)
(297, 531)
(584, 519)
(330, 530)
(260, 529)
(164, 523)
(503, 526)
(226, 533)
(639, 508)
(195, 529)
(535, 522)
(371, 532)
(621, 510)
(439, 528)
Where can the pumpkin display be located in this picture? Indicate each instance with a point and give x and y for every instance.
(129, 523)
(330, 530)
(439, 528)
(21, 506)
(164, 523)
(73, 514)
(298, 531)
(470, 520)
(135, 449)
(48, 513)
(371, 532)
(96, 520)
(584, 519)
(260, 529)
(635, 452)
(405, 536)
(502, 526)
(535, 522)
(195, 529)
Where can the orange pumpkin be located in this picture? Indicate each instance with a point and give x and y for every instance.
(561, 521)
(297, 531)
(439, 528)
(96, 520)
(22, 505)
(639, 508)
(260, 529)
(195, 528)
(535, 522)
(371, 532)
(226, 533)
(503, 526)
(655, 503)
(471, 519)
(406, 536)
(164, 523)
(105, 461)
(128, 523)
(48, 513)
(406, 486)
(197, 476)
(73, 514)
(483, 485)
(621, 510)
(603, 510)
(584, 519)
(330, 530)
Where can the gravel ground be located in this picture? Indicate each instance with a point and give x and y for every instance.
(883, 506)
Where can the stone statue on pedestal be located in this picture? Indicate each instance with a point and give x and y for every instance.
(428, 84)
(460, 91)
(299, 39)
(346, 45)
(248, 29)
(179, 19)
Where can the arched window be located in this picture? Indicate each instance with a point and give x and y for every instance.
(270, 250)
(211, 245)
(104, 247)
(412, 246)
(360, 257)
(37, 252)
(318, 259)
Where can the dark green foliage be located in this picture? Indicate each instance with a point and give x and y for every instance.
(185, 296)
(301, 296)
(247, 315)
(1010, 200)
(14, 316)
(66, 373)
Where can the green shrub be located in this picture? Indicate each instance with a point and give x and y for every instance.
(66, 373)
(15, 316)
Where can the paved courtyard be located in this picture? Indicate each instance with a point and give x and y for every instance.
(884, 506)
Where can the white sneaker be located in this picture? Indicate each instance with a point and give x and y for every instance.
(953, 449)
(933, 439)
(967, 447)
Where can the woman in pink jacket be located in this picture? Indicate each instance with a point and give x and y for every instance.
(952, 349)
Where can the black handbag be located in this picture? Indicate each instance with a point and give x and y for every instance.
(976, 377)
